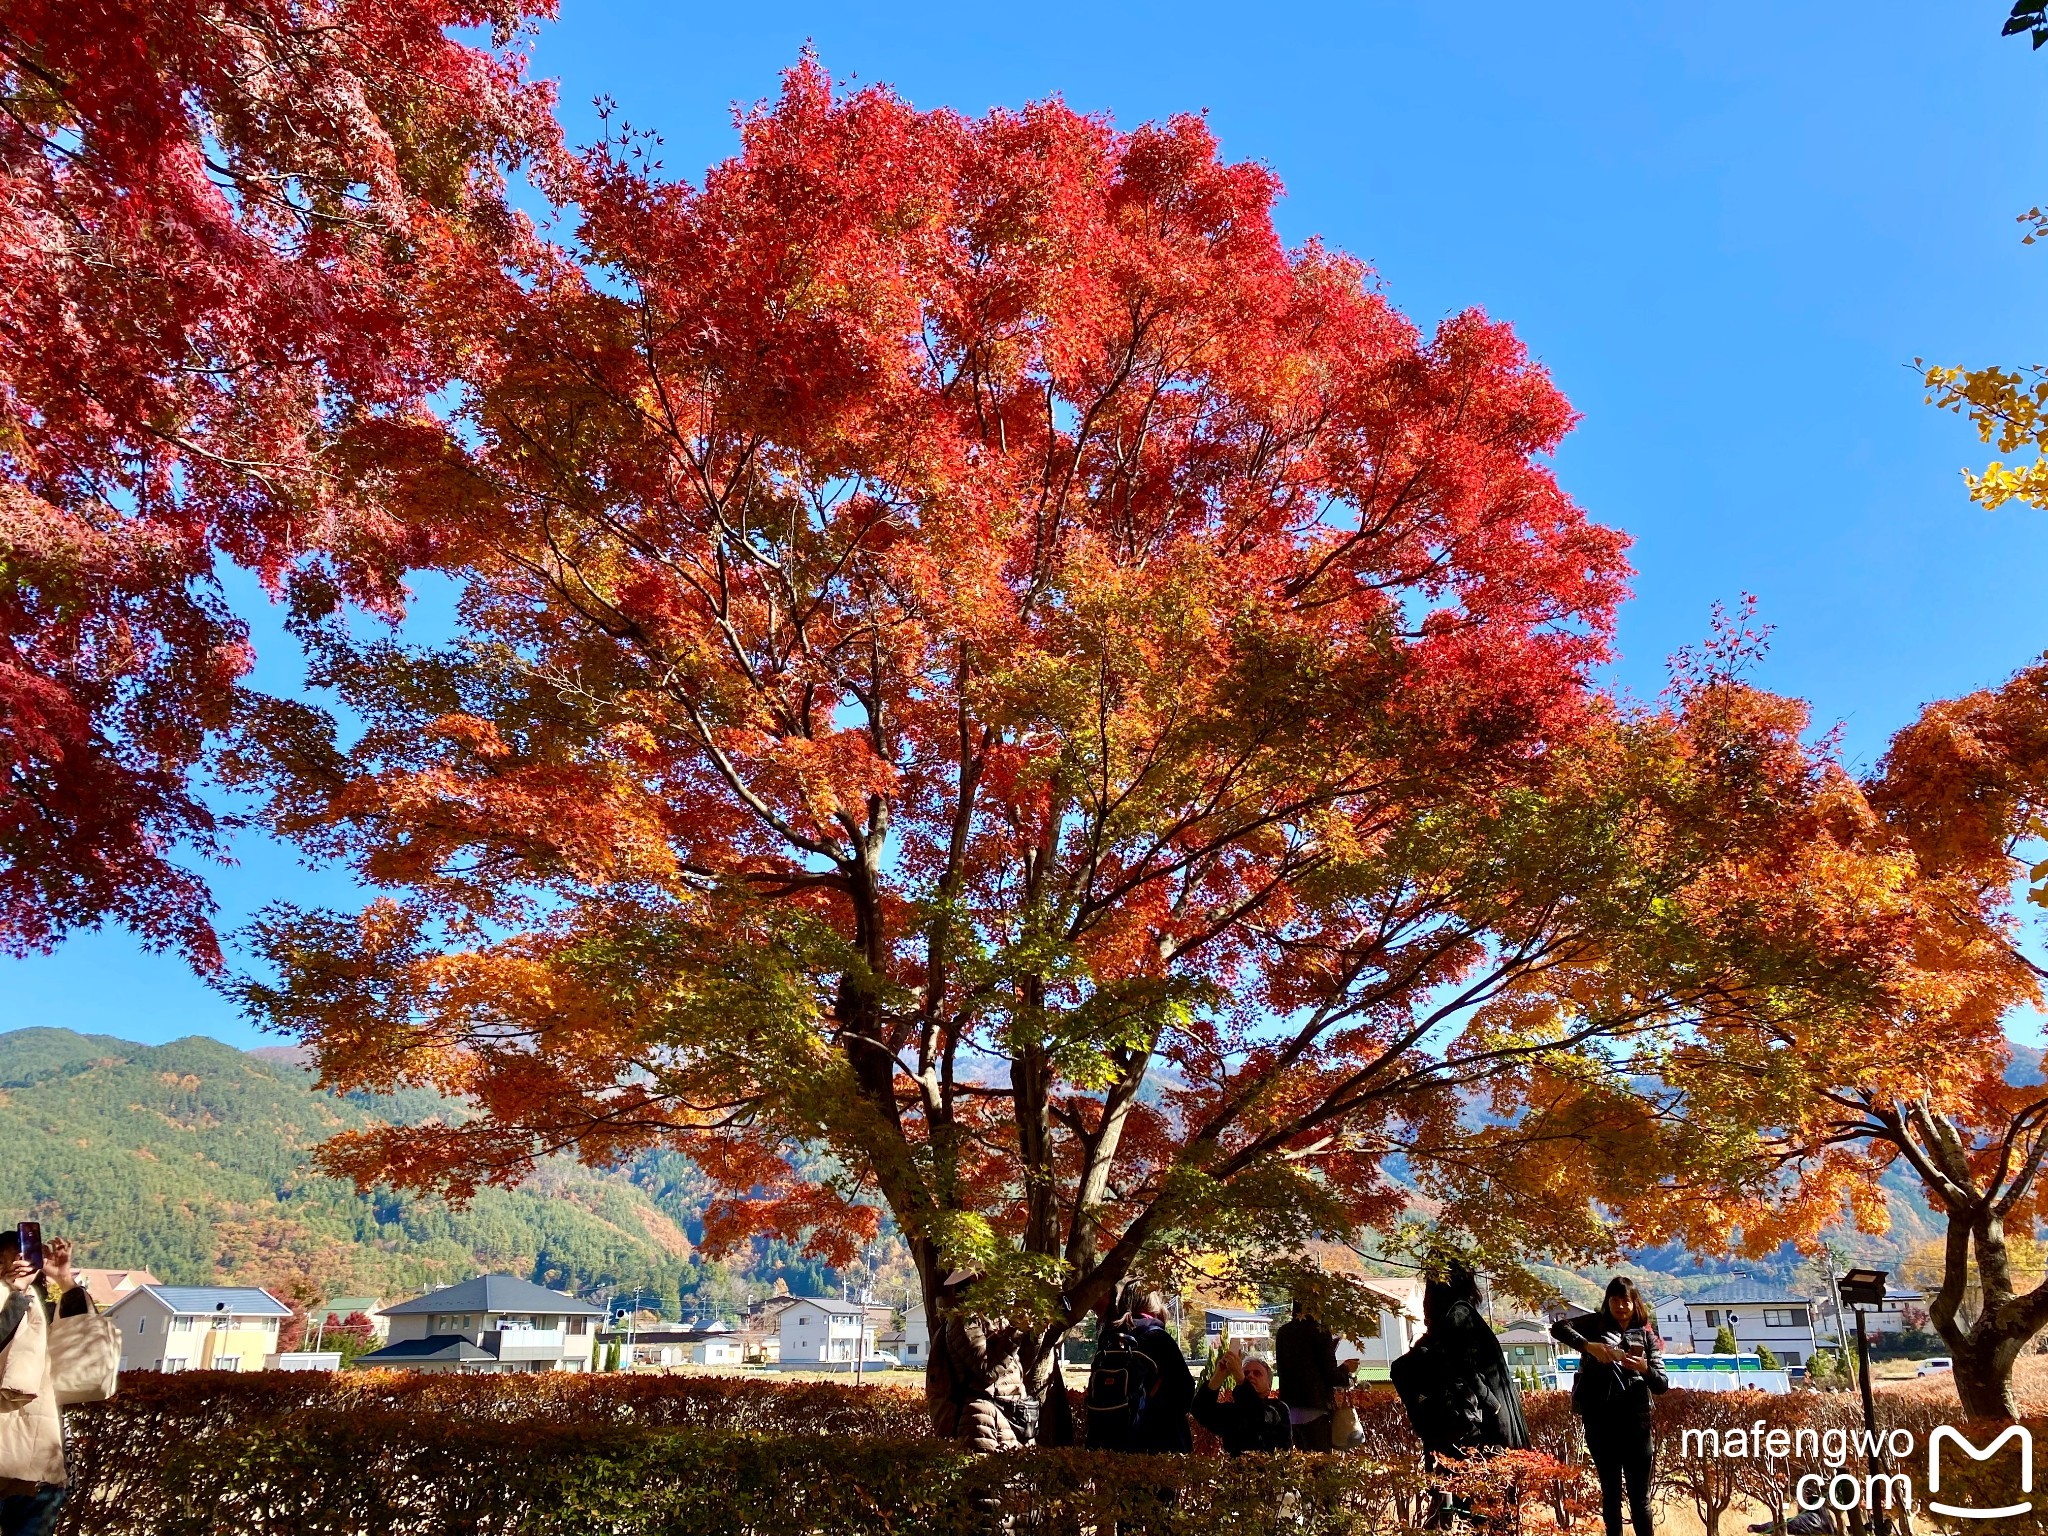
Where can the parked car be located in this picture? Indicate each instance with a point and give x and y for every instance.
(879, 1360)
(1936, 1366)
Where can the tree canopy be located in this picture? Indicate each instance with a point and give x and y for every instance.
(977, 657)
(214, 219)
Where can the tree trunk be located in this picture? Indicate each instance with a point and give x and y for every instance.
(1986, 1347)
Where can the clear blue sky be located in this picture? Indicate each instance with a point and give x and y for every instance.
(1728, 230)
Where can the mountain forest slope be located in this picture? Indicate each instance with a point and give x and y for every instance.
(192, 1160)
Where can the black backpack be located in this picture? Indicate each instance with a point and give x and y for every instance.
(1442, 1407)
(1120, 1383)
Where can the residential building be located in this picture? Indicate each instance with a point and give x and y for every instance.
(917, 1336)
(817, 1333)
(197, 1327)
(1757, 1312)
(1529, 1348)
(1249, 1331)
(760, 1329)
(1673, 1327)
(107, 1286)
(494, 1323)
(1903, 1308)
(662, 1347)
(1400, 1327)
(336, 1311)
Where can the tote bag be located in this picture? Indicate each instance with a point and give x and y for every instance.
(85, 1358)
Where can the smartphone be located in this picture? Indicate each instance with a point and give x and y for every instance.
(29, 1235)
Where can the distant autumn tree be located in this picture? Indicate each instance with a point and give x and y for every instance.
(976, 658)
(1920, 1076)
(214, 215)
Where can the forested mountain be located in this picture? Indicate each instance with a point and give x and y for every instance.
(191, 1160)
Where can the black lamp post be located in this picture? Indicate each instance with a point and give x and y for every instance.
(1863, 1289)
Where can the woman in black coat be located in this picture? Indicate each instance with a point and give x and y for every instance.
(1460, 1395)
(1621, 1369)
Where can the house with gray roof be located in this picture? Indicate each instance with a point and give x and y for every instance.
(1757, 1312)
(494, 1323)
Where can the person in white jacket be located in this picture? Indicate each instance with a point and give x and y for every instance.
(32, 1482)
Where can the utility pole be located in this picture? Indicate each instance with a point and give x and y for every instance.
(1827, 1264)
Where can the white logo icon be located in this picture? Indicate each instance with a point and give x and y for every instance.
(2014, 1432)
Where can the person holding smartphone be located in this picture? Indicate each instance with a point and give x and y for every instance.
(40, 1287)
(1621, 1372)
(1239, 1406)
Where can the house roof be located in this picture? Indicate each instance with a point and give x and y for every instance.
(413, 1351)
(827, 1304)
(493, 1293)
(1235, 1315)
(1745, 1290)
(107, 1282)
(1526, 1333)
(344, 1306)
(206, 1300)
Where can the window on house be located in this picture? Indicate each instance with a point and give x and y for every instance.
(142, 1325)
(1784, 1317)
(1713, 1318)
(227, 1362)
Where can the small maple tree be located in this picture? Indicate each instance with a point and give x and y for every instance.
(214, 215)
(977, 658)
(1918, 1074)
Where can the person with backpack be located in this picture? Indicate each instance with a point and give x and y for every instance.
(1455, 1383)
(1139, 1386)
(1621, 1370)
(1253, 1417)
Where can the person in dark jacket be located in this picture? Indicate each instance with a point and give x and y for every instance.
(1621, 1369)
(1164, 1425)
(1468, 1373)
(1455, 1383)
(1252, 1417)
(1310, 1378)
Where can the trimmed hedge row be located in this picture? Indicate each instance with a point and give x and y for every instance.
(377, 1454)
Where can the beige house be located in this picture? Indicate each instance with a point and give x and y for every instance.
(492, 1324)
(197, 1327)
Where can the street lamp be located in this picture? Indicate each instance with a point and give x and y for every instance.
(1863, 1289)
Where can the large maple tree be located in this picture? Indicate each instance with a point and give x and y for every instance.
(214, 219)
(978, 658)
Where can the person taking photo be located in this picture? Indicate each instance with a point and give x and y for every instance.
(1621, 1372)
(1239, 1406)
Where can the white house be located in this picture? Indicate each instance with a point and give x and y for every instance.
(1673, 1327)
(1400, 1327)
(917, 1336)
(1248, 1330)
(492, 1324)
(1889, 1318)
(816, 1332)
(197, 1327)
(1757, 1313)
